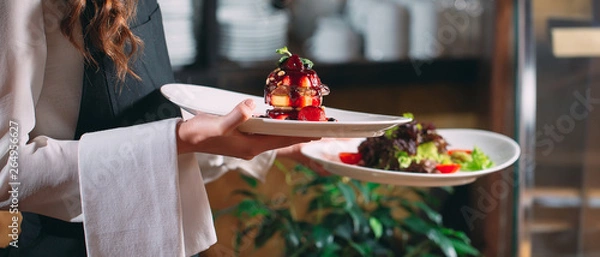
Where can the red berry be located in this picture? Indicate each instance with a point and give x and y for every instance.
(350, 158)
(294, 63)
(312, 113)
(286, 81)
(304, 82)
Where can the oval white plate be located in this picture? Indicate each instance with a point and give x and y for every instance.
(194, 99)
(502, 150)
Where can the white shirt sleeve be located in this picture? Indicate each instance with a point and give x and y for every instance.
(46, 172)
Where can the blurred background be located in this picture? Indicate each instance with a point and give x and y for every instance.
(504, 66)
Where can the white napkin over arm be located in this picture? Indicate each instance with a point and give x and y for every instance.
(130, 190)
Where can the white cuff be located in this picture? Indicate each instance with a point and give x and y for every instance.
(215, 166)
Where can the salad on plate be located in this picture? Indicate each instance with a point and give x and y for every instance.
(415, 147)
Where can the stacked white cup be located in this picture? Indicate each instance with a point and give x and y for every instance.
(333, 41)
(386, 32)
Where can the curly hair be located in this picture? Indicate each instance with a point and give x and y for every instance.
(108, 31)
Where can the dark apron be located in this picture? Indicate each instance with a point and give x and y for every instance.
(107, 103)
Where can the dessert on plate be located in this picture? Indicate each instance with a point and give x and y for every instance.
(294, 90)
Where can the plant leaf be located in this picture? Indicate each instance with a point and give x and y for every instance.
(331, 250)
(464, 248)
(407, 205)
(348, 193)
(246, 193)
(364, 191)
(305, 170)
(371, 187)
(344, 230)
(361, 249)
(376, 226)
(266, 230)
(292, 235)
(431, 214)
(251, 208)
(427, 197)
(237, 242)
(280, 166)
(457, 234)
(448, 189)
(321, 236)
(315, 204)
(416, 224)
(322, 202)
(443, 242)
(356, 216)
(420, 226)
(340, 223)
(252, 182)
(384, 215)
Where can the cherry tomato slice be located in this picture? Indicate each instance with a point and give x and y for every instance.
(459, 150)
(350, 158)
(448, 168)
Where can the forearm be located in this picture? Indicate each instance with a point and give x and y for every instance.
(42, 177)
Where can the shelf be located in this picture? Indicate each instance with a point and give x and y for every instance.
(554, 197)
(250, 78)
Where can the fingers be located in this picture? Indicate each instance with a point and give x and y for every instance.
(241, 113)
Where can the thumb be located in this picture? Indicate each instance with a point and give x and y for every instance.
(240, 114)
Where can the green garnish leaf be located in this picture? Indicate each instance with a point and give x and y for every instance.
(408, 115)
(308, 63)
(284, 50)
(283, 59)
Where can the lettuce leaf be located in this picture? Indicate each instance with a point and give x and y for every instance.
(479, 161)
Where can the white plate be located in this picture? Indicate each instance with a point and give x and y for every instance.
(502, 150)
(194, 99)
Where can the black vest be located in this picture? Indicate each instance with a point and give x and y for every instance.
(107, 103)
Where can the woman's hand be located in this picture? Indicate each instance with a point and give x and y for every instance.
(219, 135)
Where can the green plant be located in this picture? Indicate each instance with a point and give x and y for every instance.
(346, 217)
